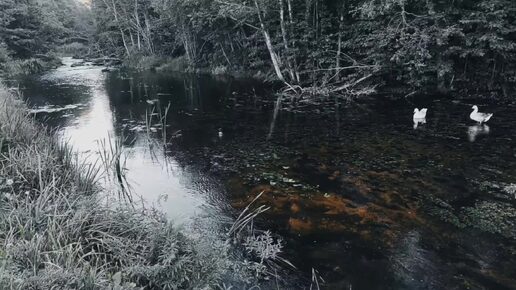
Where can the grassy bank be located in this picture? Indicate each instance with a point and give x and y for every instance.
(10, 67)
(58, 232)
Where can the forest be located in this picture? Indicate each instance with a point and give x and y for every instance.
(34, 33)
(321, 46)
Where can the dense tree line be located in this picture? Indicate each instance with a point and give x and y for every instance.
(319, 45)
(32, 29)
(323, 43)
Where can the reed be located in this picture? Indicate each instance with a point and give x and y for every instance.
(57, 231)
(155, 113)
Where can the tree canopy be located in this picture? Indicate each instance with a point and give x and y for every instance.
(330, 44)
(416, 43)
(32, 27)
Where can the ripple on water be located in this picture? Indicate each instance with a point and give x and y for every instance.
(356, 192)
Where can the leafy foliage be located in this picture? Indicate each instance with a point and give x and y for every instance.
(29, 28)
(418, 44)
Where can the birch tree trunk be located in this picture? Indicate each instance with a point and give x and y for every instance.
(148, 34)
(339, 47)
(273, 55)
(138, 26)
(285, 42)
(290, 26)
(115, 14)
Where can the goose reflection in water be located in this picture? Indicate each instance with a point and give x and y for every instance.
(418, 121)
(477, 130)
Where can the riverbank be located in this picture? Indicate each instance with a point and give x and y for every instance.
(10, 67)
(57, 230)
(380, 84)
(180, 64)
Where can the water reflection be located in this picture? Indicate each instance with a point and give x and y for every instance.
(413, 265)
(277, 106)
(350, 178)
(418, 121)
(108, 115)
(477, 130)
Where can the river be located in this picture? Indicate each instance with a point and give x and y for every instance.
(359, 194)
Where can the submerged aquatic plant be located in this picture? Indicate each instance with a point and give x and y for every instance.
(493, 217)
(510, 189)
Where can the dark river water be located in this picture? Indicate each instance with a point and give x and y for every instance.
(358, 193)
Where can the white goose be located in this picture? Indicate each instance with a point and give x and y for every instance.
(420, 114)
(479, 117)
(419, 117)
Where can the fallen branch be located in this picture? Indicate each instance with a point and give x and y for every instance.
(339, 68)
(347, 86)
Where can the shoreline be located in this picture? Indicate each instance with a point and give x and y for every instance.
(56, 229)
(462, 89)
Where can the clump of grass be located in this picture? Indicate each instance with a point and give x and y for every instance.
(20, 67)
(264, 248)
(113, 161)
(142, 62)
(219, 70)
(173, 64)
(58, 232)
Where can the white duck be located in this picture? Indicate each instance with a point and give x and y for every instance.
(420, 114)
(479, 117)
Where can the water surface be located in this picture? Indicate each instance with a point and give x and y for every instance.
(357, 191)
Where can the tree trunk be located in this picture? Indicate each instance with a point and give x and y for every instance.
(308, 4)
(285, 42)
(131, 37)
(190, 46)
(115, 14)
(290, 26)
(291, 18)
(148, 35)
(339, 46)
(139, 27)
(268, 42)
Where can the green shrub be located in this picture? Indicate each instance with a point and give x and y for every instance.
(219, 70)
(74, 49)
(174, 64)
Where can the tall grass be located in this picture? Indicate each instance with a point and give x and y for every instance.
(58, 232)
(21, 67)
